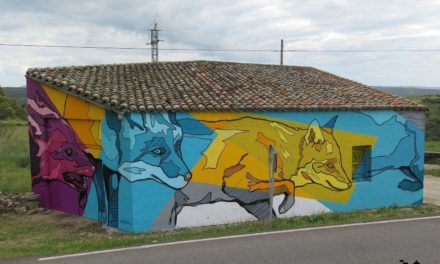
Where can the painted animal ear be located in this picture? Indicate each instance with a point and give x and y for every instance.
(111, 151)
(135, 120)
(172, 117)
(314, 134)
(112, 121)
(330, 125)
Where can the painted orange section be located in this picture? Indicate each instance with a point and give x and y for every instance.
(76, 108)
(84, 117)
(262, 139)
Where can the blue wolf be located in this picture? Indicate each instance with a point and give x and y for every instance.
(138, 147)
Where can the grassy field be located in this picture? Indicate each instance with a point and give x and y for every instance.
(14, 159)
(432, 145)
(433, 172)
(13, 122)
(57, 233)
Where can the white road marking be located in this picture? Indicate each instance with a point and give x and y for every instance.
(237, 236)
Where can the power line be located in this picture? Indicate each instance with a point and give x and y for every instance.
(131, 48)
(68, 46)
(366, 50)
(218, 50)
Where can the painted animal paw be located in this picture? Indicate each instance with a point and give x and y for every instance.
(255, 184)
(286, 204)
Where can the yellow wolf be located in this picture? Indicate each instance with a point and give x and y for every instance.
(237, 161)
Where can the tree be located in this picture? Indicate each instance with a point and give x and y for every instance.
(10, 108)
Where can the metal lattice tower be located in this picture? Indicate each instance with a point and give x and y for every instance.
(154, 43)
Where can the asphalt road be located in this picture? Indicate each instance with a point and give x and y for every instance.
(392, 242)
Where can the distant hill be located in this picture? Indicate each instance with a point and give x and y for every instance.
(19, 93)
(406, 91)
(10, 108)
(432, 123)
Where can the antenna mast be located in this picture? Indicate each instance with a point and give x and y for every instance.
(154, 43)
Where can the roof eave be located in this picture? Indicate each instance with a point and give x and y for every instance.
(76, 93)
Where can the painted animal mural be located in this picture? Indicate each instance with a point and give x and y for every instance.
(59, 159)
(151, 171)
(140, 147)
(307, 155)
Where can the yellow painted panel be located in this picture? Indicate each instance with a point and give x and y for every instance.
(304, 151)
(87, 131)
(96, 112)
(76, 108)
(83, 129)
(57, 97)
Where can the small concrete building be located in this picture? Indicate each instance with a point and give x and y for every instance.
(153, 146)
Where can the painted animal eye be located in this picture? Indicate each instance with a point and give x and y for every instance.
(68, 152)
(330, 165)
(158, 151)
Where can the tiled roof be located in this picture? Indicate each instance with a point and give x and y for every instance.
(215, 86)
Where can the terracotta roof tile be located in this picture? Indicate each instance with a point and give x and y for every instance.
(215, 86)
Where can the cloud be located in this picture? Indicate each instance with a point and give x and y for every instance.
(229, 24)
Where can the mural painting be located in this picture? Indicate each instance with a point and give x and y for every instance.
(61, 165)
(150, 171)
(236, 162)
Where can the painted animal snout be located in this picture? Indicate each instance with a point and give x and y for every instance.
(326, 174)
(140, 170)
(337, 185)
(188, 176)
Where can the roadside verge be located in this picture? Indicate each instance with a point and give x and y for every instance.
(52, 233)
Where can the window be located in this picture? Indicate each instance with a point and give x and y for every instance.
(361, 163)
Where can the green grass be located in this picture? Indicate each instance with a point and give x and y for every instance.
(432, 145)
(434, 172)
(56, 233)
(13, 122)
(14, 159)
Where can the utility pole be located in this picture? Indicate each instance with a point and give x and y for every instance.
(281, 52)
(154, 43)
(272, 170)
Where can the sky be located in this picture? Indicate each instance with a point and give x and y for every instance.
(230, 24)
